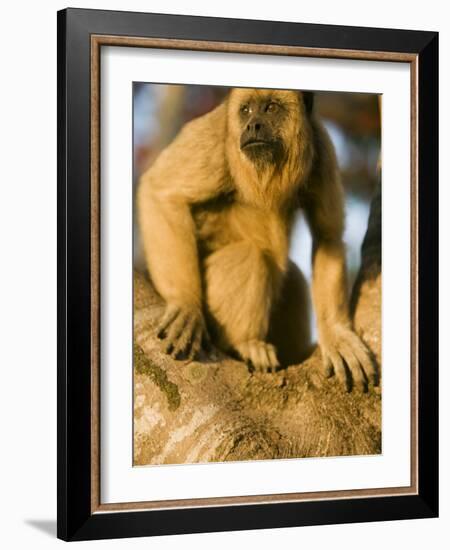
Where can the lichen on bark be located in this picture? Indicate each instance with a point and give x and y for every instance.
(142, 365)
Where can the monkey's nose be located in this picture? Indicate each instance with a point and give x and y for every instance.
(254, 127)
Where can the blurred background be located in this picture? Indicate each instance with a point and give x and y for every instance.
(352, 120)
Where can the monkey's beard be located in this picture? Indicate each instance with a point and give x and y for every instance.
(264, 154)
(265, 174)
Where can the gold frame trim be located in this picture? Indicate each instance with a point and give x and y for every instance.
(97, 41)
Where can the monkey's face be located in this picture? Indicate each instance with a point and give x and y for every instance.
(265, 124)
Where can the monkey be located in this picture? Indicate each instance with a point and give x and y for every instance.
(216, 211)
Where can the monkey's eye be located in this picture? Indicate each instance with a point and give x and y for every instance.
(245, 109)
(272, 107)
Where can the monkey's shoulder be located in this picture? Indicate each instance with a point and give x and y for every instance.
(205, 132)
(197, 154)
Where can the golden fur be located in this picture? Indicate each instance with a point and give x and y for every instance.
(216, 226)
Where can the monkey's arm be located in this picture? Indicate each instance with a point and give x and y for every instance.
(170, 249)
(184, 174)
(343, 352)
(168, 235)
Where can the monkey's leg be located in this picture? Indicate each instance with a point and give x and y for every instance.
(289, 328)
(241, 282)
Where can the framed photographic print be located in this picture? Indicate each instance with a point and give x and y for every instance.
(247, 257)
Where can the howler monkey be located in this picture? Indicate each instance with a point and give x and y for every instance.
(216, 211)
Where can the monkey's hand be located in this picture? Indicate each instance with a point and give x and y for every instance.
(261, 355)
(345, 355)
(183, 331)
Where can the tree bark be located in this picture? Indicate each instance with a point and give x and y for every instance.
(214, 409)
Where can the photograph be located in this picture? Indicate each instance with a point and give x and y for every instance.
(224, 231)
(247, 273)
(257, 276)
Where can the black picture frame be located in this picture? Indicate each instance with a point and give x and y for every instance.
(76, 520)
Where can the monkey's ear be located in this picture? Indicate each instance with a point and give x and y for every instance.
(308, 100)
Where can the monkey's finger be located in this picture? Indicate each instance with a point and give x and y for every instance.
(272, 356)
(364, 357)
(174, 332)
(184, 340)
(327, 367)
(190, 341)
(266, 357)
(169, 315)
(190, 332)
(358, 375)
(257, 357)
(196, 343)
(242, 350)
(339, 369)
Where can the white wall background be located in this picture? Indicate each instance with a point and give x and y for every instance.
(28, 274)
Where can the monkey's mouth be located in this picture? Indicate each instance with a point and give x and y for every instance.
(256, 143)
